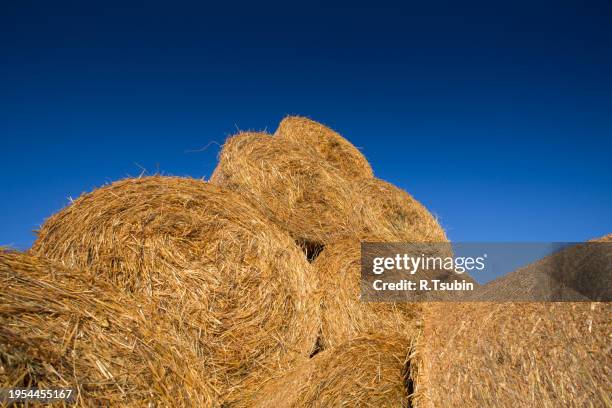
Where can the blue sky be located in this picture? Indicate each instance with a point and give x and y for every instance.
(498, 118)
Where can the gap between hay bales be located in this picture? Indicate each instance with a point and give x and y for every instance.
(318, 347)
(311, 249)
(409, 382)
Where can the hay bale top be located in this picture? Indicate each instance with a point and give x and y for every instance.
(605, 238)
(368, 371)
(390, 212)
(188, 247)
(344, 315)
(331, 146)
(291, 184)
(578, 273)
(312, 201)
(59, 329)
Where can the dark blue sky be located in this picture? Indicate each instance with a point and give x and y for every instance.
(498, 118)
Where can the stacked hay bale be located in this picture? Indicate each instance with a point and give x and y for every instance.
(516, 354)
(291, 184)
(187, 249)
(344, 315)
(366, 371)
(317, 201)
(334, 149)
(60, 329)
(393, 215)
(174, 291)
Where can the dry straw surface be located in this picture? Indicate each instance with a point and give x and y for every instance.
(241, 287)
(334, 148)
(390, 212)
(302, 193)
(515, 355)
(291, 184)
(368, 371)
(60, 329)
(344, 316)
(167, 291)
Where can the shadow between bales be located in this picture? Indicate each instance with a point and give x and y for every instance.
(311, 249)
(409, 384)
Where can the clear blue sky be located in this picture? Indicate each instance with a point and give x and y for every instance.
(498, 118)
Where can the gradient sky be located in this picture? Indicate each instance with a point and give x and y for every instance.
(498, 118)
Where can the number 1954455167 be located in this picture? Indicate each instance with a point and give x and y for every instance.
(36, 394)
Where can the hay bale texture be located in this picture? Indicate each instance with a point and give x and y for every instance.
(343, 315)
(549, 354)
(188, 248)
(291, 184)
(307, 196)
(514, 355)
(60, 329)
(334, 148)
(391, 213)
(368, 371)
(579, 273)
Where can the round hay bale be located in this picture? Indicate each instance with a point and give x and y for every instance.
(192, 249)
(312, 201)
(58, 329)
(291, 184)
(343, 314)
(547, 354)
(388, 211)
(368, 371)
(334, 148)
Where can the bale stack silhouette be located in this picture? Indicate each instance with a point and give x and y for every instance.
(244, 291)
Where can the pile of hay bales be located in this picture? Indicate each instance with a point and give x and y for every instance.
(518, 354)
(245, 291)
